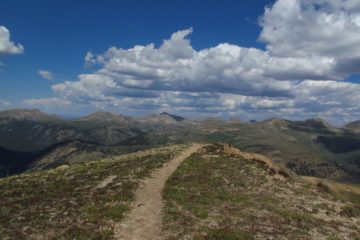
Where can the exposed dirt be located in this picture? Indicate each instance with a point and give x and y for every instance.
(106, 182)
(144, 221)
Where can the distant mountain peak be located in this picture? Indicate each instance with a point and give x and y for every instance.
(274, 121)
(353, 125)
(106, 116)
(164, 118)
(27, 114)
(318, 122)
(175, 117)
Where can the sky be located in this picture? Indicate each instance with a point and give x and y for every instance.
(252, 59)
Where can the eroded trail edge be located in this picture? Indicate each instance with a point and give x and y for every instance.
(144, 221)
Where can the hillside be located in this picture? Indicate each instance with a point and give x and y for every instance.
(106, 117)
(353, 126)
(68, 153)
(19, 133)
(312, 147)
(301, 145)
(64, 153)
(218, 192)
(79, 202)
(27, 114)
(162, 118)
(12, 162)
(19, 128)
(223, 193)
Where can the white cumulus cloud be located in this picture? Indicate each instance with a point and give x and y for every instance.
(325, 28)
(40, 102)
(176, 66)
(6, 45)
(311, 48)
(4, 103)
(46, 74)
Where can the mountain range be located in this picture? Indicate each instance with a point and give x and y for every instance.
(31, 139)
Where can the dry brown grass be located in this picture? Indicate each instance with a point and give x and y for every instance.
(273, 168)
(342, 191)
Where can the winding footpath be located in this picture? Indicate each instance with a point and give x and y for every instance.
(144, 221)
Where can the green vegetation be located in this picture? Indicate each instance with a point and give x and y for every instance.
(78, 202)
(224, 234)
(220, 194)
(351, 211)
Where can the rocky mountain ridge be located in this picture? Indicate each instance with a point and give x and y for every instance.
(311, 147)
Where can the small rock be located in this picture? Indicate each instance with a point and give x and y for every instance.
(62, 167)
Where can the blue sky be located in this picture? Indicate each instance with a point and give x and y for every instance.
(57, 35)
(291, 58)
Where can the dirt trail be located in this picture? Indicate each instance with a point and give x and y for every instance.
(144, 221)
